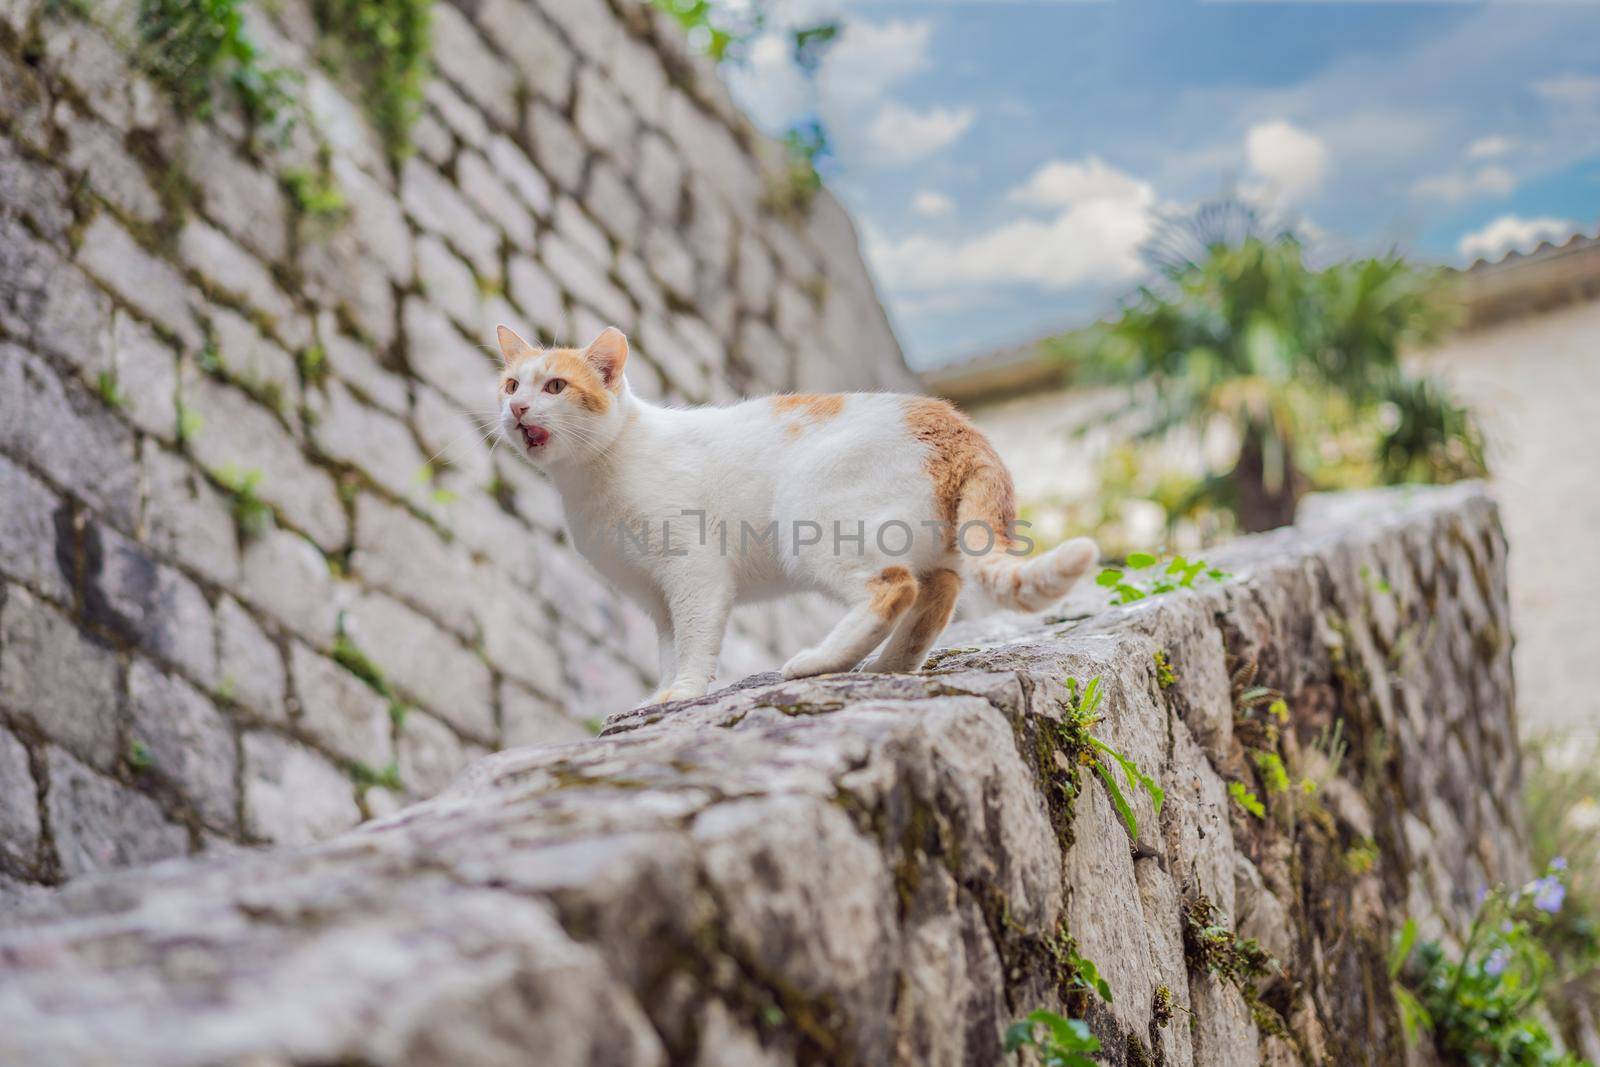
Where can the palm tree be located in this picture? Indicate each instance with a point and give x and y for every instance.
(1238, 327)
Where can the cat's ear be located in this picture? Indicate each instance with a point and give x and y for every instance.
(512, 347)
(606, 354)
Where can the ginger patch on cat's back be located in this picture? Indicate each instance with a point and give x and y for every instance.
(801, 411)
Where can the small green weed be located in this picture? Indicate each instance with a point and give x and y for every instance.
(386, 777)
(138, 757)
(110, 392)
(1141, 576)
(189, 424)
(1274, 775)
(1166, 677)
(1058, 1042)
(1246, 799)
(250, 512)
(1080, 713)
(314, 193)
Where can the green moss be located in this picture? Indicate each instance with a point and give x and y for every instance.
(138, 757)
(252, 515)
(110, 392)
(314, 193)
(383, 45)
(385, 777)
(1166, 677)
(193, 46)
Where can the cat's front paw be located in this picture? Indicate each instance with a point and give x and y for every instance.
(668, 695)
(809, 663)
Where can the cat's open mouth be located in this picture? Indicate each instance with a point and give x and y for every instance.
(534, 436)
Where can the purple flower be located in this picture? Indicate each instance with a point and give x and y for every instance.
(1549, 894)
(1495, 965)
(1559, 863)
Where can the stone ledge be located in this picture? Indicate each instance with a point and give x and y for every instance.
(871, 869)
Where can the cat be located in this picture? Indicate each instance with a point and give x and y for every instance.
(887, 502)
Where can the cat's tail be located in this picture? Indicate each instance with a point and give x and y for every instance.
(1014, 581)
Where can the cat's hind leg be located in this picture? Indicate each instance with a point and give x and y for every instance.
(881, 602)
(920, 627)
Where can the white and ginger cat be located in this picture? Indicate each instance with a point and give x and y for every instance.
(886, 502)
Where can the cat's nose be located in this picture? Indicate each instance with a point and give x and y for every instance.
(519, 408)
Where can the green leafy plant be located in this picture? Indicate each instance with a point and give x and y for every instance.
(191, 46)
(314, 193)
(385, 777)
(1080, 713)
(138, 757)
(189, 424)
(1210, 946)
(1246, 799)
(1141, 577)
(384, 44)
(252, 514)
(1274, 775)
(1303, 363)
(110, 392)
(1058, 1042)
(1166, 677)
(1484, 1008)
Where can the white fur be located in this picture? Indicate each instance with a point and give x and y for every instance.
(741, 464)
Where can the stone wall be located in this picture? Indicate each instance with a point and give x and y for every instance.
(877, 869)
(253, 553)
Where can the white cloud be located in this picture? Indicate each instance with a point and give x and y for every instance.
(768, 84)
(1512, 232)
(931, 204)
(900, 135)
(1094, 239)
(1490, 147)
(1574, 90)
(1062, 184)
(870, 58)
(1457, 186)
(1290, 160)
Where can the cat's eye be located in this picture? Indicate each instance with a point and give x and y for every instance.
(511, 386)
(555, 385)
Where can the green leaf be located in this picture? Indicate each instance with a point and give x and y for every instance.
(1403, 943)
(1109, 577)
(1118, 801)
(1140, 560)
(1018, 1034)
(1247, 800)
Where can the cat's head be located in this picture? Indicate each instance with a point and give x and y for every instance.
(562, 404)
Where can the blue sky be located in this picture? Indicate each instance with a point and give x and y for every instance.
(1006, 160)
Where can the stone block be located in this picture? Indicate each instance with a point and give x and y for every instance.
(355, 363)
(143, 370)
(131, 593)
(187, 520)
(285, 576)
(464, 120)
(425, 663)
(376, 219)
(336, 274)
(452, 438)
(586, 282)
(439, 207)
(539, 298)
(493, 197)
(560, 155)
(28, 532)
(543, 58)
(429, 754)
(530, 719)
(342, 122)
(250, 668)
(756, 276)
(95, 153)
(98, 823)
(190, 743)
(604, 118)
(575, 226)
(517, 638)
(47, 302)
(339, 710)
(149, 285)
(225, 267)
(243, 199)
(236, 436)
(660, 177)
(402, 555)
(259, 364)
(53, 673)
(448, 283)
(19, 804)
(379, 445)
(514, 168)
(464, 57)
(292, 795)
(615, 204)
(439, 355)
